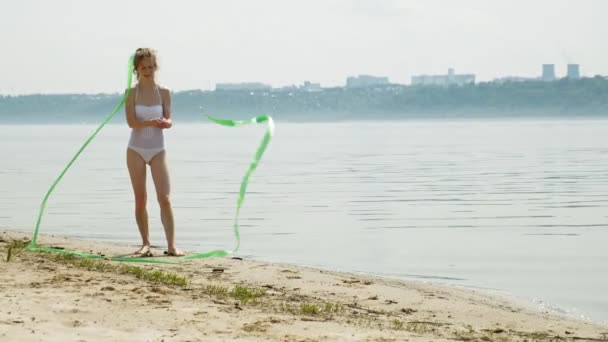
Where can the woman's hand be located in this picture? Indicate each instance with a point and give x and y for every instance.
(166, 123)
(158, 123)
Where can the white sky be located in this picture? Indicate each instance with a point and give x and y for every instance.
(82, 46)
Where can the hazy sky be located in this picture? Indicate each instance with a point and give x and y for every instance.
(82, 46)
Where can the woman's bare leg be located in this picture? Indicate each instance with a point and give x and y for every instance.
(137, 172)
(160, 175)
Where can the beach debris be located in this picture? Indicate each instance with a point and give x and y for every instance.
(409, 311)
(160, 290)
(308, 319)
(357, 307)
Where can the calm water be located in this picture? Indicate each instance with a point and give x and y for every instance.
(513, 205)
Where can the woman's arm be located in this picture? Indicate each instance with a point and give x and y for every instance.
(166, 96)
(132, 119)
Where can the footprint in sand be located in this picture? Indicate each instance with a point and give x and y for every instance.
(74, 324)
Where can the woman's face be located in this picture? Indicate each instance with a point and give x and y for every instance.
(146, 68)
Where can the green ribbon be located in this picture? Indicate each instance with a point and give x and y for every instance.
(243, 190)
(252, 166)
(215, 253)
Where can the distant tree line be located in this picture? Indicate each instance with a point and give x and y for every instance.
(582, 97)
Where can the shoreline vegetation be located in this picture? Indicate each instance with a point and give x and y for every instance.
(54, 296)
(565, 97)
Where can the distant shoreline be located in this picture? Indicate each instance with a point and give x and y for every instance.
(586, 97)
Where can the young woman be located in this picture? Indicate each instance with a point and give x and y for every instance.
(148, 111)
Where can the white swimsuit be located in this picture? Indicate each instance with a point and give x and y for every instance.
(147, 141)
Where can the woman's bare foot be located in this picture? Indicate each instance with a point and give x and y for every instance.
(144, 250)
(175, 252)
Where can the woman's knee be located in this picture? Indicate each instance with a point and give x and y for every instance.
(164, 200)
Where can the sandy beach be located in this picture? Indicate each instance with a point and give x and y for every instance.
(53, 297)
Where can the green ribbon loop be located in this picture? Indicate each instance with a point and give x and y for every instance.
(243, 189)
(254, 164)
(32, 245)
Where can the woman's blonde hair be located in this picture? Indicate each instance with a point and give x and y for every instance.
(142, 53)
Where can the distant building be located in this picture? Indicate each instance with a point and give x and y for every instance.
(306, 86)
(365, 81)
(242, 86)
(573, 71)
(444, 80)
(309, 86)
(548, 72)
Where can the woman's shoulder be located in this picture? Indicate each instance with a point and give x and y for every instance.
(164, 89)
(129, 92)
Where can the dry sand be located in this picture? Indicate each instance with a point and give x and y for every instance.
(45, 297)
